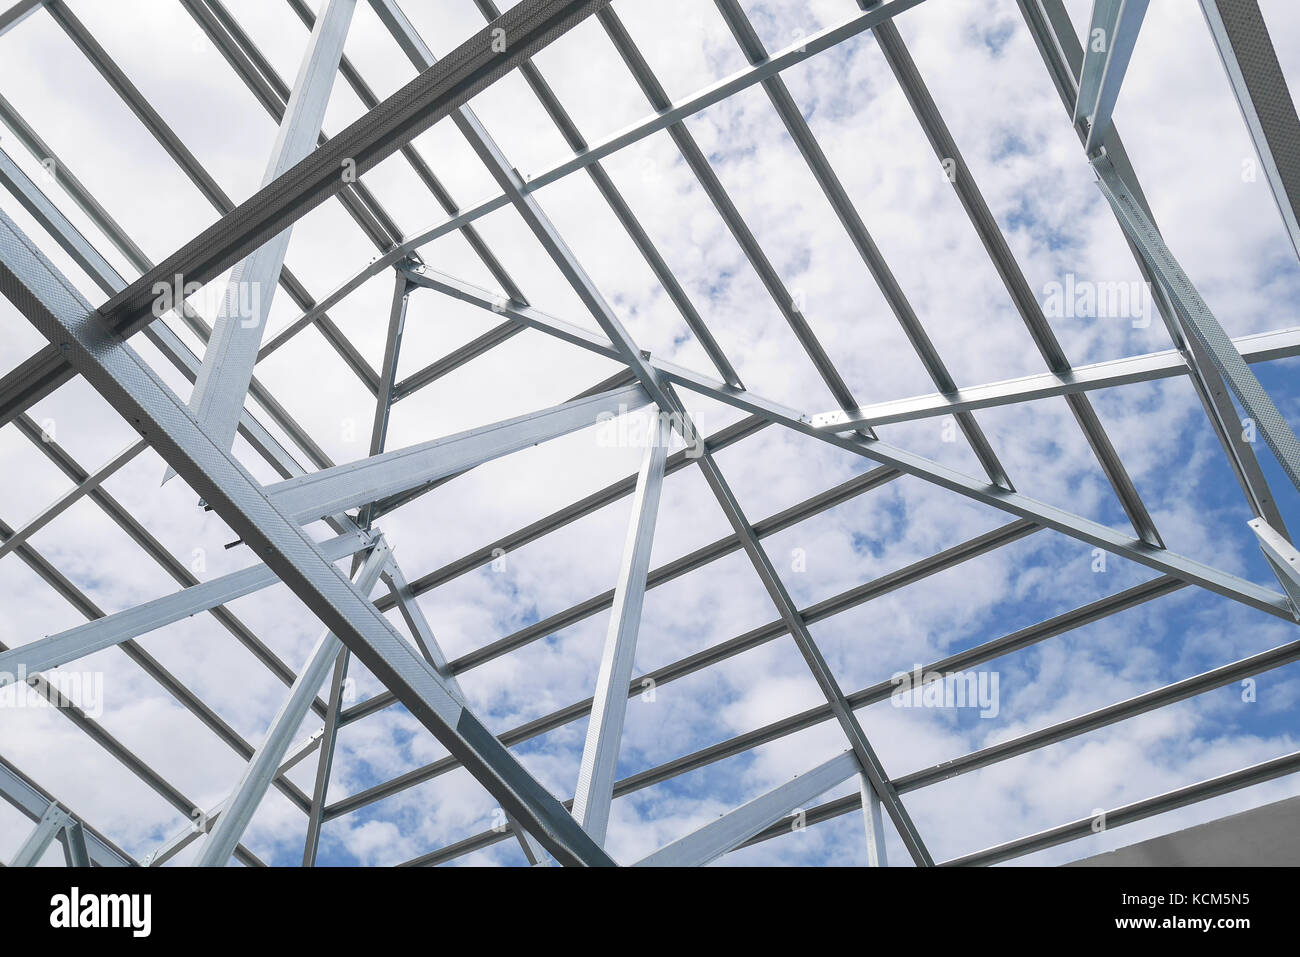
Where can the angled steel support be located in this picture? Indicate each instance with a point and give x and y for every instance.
(1244, 46)
(54, 650)
(1108, 48)
(203, 822)
(222, 383)
(1282, 556)
(32, 283)
(75, 851)
(595, 790)
(1197, 320)
(733, 829)
(263, 767)
(74, 495)
(1260, 347)
(368, 480)
(41, 837)
(874, 824)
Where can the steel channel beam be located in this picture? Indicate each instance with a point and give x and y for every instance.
(702, 99)
(264, 765)
(716, 838)
(222, 383)
(1259, 347)
(71, 497)
(17, 13)
(66, 646)
(1199, 321)
(1257, 81)
(595, 788)
(368, 480)
(33, 284)
(205, 821)
(986, 226)
(873, 823)
(41, 837)
(1111, 38)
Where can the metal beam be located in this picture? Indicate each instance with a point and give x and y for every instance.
(41, 837)
(32, 283)
(1110, 41)
(891, 44)
(873, 822)
(595, 788)
(368, 480)
(222, 383)
(46, 653)
(1198, 321)
(17, 13)
(1259, 347)
(1241, 37)
(70, 498)
(33, 800)
(1053, 32)
(732, 829)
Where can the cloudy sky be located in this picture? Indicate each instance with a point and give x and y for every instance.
(1189, 147)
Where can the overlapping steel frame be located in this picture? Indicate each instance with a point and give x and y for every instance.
(91, 342)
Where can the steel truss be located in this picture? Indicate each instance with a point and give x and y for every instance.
(303, 171)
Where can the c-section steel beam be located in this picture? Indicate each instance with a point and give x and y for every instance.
(1107, 50)
(222, 383)
(595, 791)
(1242, 39)
(60, 313)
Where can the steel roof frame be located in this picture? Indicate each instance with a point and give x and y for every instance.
(91, 343)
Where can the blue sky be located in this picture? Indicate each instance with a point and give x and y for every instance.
(989, 82)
